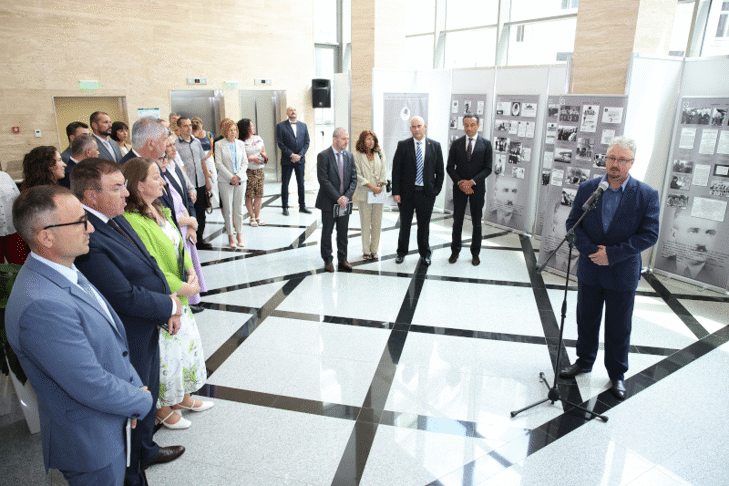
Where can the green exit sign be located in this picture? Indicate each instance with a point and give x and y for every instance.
(86, 84)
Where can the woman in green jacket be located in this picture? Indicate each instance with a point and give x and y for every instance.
(182, 364)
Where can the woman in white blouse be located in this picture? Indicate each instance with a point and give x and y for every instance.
(370, 161)
(231, 162)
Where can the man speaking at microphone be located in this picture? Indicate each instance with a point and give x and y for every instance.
(610, 240)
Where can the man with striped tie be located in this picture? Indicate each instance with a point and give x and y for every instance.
(417, 178)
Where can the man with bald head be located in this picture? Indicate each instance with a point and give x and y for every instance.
(417, 178)
(292, 138)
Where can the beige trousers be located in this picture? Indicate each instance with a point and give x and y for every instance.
(231, 203)
(370, 216)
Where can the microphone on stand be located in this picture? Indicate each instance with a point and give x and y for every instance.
(595, 196)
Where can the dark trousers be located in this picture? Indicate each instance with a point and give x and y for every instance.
(143, 446)
(618, 323)
(201, 204)
(422, 205)
(328, 222)
(476, 201)
(286, 171)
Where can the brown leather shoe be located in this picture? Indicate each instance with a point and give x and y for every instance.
(165, 454)
(329, 267)
(453, 258)
(344, 266)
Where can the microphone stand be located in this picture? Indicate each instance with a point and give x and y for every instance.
(553, 393)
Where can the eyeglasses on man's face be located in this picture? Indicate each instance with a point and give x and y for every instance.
(84, 221)
(612, 160)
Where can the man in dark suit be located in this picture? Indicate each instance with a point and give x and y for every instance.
(83, 147)
(469, 164)
(73, 130)
(417, 178)
(101, 126)
(149, 140)
(292, 138)
(119, 265)
(610, 241)
(337, 176)
(71, 344)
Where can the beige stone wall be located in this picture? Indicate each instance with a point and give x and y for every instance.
(142, 50)
(609, 32)
(377, 42)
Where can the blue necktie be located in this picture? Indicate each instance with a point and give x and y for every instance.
(419, 164)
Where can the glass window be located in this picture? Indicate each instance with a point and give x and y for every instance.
(419, 52)
(532, 9)
(325, 21)
(541, 42)
(419, 17)
(716, 35)
(324, 61)
(470, 48)
(467, 13)
(681, 29)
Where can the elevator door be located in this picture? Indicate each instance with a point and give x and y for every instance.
(207, 104)
(266, 108)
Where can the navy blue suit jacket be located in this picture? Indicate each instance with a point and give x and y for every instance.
(634, 228)
(132, 282)
(290, 144)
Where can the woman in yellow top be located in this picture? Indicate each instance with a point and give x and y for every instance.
(182, 364)
(370, 161)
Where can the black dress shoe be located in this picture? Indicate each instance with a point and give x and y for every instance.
(165, 454)
(618, 389)
(453, 258)
(285, 211)
(304, 210)
(329, 267)
(572, 371)
(344, 266)
(476, 261)
(204, 246)
(426, 261)
(195, 308)
(399, 259)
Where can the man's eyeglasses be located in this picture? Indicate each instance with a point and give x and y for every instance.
(84, 221)
(619, 161)
(117, 189)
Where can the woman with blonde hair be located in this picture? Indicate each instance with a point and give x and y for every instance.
(370, 161)
(231, 162)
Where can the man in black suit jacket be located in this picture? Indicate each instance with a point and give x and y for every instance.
(337, 176)
(415, 188)
(83, 147)
(149, 140)
(469, 164)
(292, 138)
(101, 126)
(122, 269)
(73, 130)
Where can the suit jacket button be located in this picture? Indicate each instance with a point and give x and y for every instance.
(131, 379)
(125, 354)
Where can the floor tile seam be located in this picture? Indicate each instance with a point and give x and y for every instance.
(301, 239)
(702, 298)
(677, 307)
(258, 318)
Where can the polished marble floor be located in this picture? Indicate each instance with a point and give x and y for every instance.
(406, 375)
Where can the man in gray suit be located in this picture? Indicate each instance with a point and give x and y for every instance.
(73, 130)
(71, 344)
(337, 176)
(101, 126)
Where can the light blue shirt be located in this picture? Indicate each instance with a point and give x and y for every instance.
(610, 201)
(234, 155)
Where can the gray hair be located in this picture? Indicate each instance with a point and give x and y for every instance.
(81, 144)
(338, 132)
(147, 128)
(624, 142)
